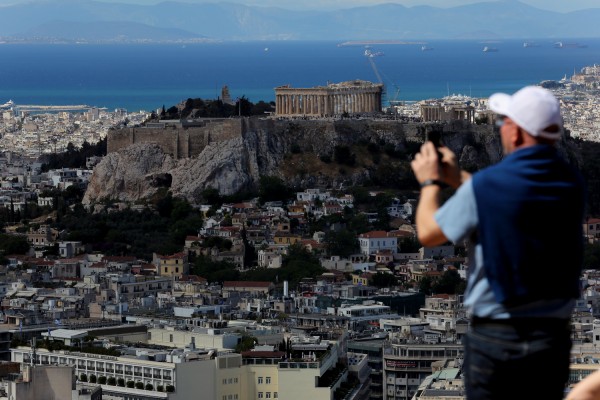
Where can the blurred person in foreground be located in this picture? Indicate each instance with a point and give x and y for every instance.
(522, 219)
(586, 389)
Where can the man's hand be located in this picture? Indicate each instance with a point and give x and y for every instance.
(426, 164)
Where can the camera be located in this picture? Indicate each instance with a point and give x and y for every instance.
(434, 137)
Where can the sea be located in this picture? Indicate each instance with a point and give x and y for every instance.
(148, 76)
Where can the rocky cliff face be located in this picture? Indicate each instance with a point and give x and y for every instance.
(289, 149)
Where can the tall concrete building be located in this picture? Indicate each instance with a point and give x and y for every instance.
(351, 97)
(310, 368)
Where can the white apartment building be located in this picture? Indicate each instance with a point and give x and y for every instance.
(187, 374)
(197, 338)
(375, 241)
(312, 195)
(364, 314)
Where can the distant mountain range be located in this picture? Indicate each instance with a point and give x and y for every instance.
(95, 21)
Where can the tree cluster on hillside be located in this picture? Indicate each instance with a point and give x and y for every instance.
(199, 108)
(449, 283)
(74, 157)
(138, 233)
(297, 264)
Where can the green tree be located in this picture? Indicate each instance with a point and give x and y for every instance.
(212, 196)
(449, 283)
(246, 343)
(343, 155)
(591, 256)
(272, 188)
(343, 243)
(410, 245)
(383, 280)
(215, 271)
(425, 285)
(12, 244)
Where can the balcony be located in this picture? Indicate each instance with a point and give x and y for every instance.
(332, 376)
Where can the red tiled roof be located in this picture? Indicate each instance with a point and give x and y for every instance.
(246, 284)
(374, 235)
(67, 261)
(118, 259)
(171, 256)
(192, 278)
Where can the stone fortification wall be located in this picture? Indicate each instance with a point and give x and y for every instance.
(176, 140)
(275, 137)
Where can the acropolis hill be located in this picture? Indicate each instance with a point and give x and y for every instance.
(231, 155)
(319, 136)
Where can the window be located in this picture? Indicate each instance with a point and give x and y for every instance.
(268, 395)
(165, 269)
(224, 381)
(268, 380)
(274, 395)
(230, 380)
(260, 380)
(260, 395)
(235, 380)
(171, 338)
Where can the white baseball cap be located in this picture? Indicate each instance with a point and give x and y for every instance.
(533, 108)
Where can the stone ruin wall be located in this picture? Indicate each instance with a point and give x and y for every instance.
(190, 142)
(180, 142)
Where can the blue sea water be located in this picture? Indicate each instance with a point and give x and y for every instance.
(148, 76)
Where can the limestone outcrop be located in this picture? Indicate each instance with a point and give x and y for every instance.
(266, 147)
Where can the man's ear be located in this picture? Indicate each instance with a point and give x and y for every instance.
(517, 136)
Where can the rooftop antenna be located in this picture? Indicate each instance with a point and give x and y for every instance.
(32, 353)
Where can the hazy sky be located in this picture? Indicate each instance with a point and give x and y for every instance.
(554, 5)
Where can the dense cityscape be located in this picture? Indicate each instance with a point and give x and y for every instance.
(231, 309)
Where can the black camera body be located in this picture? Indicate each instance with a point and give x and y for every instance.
(434, 137)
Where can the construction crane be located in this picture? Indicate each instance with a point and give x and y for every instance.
(370, 56)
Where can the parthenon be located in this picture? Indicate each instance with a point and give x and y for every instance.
(352, 97)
